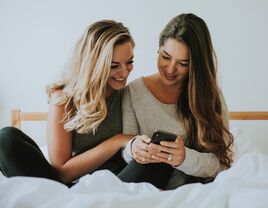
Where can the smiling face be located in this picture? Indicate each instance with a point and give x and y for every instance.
(173, 62)
(122, 65)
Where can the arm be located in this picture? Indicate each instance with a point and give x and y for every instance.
(60, 147)
(185, 159)
(137, 148)
(130, 123)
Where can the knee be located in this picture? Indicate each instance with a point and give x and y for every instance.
(9, 137)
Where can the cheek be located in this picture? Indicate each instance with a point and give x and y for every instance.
(160, 64)
(112, 74)
(129, 69)
(184, 73)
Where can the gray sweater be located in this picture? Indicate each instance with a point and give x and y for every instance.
(143, 113)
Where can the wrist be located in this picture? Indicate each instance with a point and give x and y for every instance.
(122, 140)
(131, 143)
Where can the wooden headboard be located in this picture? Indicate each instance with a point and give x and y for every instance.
(17, 116)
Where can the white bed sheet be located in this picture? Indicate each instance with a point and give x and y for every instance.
(244, 185)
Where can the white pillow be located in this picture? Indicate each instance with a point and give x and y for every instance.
(242, 144)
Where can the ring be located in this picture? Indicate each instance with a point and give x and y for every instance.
(143, 159)
(170, 157)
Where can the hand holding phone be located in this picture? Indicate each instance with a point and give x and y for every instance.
(160, 135)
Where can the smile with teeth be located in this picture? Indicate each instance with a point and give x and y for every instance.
(119, 79)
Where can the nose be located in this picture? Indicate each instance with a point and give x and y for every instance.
(124, 70)
(171, 67)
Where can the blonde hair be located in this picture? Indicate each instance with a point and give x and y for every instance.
(83, 85)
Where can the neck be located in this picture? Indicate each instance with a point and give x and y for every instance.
(109, 91)
(173, 90)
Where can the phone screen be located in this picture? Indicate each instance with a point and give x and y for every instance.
(160, 135)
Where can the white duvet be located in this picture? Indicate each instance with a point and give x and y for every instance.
(245, 184)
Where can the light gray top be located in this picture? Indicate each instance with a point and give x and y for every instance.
(143, 113)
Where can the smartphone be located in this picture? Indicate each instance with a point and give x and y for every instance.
(160, 135)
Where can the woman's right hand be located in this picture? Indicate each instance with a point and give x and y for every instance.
(139, 149)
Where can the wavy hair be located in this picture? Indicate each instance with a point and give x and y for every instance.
(199, 105)
(83, 84)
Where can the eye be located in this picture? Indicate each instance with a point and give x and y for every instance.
(114, 66)
(165, 57)
(184, 64)
(130, 62)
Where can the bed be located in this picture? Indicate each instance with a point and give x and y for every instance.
(244, 185)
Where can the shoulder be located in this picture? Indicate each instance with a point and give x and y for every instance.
(133, 91)
(56, 96)
(135, 83)
(135, 87)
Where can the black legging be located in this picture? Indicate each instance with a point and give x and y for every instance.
(157, 174)
(21, 156)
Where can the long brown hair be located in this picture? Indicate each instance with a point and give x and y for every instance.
(84, 82)
(199, 104)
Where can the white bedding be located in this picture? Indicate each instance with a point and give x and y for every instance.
(244, 185)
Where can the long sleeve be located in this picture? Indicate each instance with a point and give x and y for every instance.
(200, 164)
(130, 124)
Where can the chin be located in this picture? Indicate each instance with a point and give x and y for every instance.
(116, 85)
(169, 82)
(119, 87)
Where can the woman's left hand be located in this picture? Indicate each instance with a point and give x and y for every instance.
(172, 153)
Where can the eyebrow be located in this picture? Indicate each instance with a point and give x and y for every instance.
(114, 62)
(184, 60)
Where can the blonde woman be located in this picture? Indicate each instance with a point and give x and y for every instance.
(183, 97)
(84, 119)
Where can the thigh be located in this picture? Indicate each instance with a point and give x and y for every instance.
(21, 156)
(157, 174)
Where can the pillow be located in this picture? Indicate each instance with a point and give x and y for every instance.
(241, 145)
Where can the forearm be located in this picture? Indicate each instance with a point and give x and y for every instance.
(200, 164)
(90, 160)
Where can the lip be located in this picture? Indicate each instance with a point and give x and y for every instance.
(120, 80)
(170, 77)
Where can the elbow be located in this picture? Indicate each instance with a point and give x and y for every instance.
(65, 175)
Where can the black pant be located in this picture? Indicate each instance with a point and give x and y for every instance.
(157, 174)
(21, 156)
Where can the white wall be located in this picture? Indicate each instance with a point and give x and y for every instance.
(36, 38)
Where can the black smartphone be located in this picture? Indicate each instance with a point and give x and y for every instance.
(160, 135)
